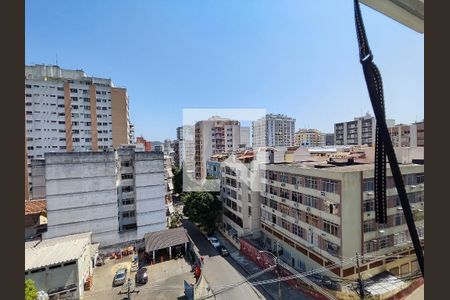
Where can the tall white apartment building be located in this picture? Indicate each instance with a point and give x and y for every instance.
(117, 195)
(215, 135)
(273, 131)
(66, 110)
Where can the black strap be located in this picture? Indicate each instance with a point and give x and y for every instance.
(383, 143)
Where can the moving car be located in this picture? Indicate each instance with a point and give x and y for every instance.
(223, 251)
(141, 276)
(214, 241)
(120, 277)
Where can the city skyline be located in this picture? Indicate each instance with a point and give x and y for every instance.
(270, 56)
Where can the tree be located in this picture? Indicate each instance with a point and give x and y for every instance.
(30, 290)
(202, 208)
(178, 180)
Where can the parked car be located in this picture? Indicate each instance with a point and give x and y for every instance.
(100, 262)
(141, 276)
(214, 241)
(223, 251)
(120, 277)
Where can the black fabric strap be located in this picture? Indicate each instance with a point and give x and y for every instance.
(383, 142)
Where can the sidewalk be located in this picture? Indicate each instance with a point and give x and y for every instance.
(270, 290)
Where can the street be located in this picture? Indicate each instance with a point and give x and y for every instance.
(218, 271)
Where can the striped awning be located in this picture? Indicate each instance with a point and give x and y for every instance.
(165, 238)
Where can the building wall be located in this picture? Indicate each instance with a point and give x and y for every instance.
(215, 135)
(301, 226)
(273, 131)
(120, 122)
(38, 178)
(84, 193)
(245, 137)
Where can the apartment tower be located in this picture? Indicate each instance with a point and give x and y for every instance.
(66, 111)
(273, 131)
(215, 135)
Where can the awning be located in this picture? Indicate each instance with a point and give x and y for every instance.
(165, 238)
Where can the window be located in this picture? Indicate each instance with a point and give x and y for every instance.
(311, 201)
(368, 185)
(369, 226)
(28, 86)
(401, 238)
(128, 214)
(127, 189)
(73, 90)
(297, 230)
(75, 99)
(311, 182)
(368, 205)
(398, 219)
(329, 186)
(60, 89)
(75, 106)
(76, 140)
(86, 100)
(249, 211)
(420, 178)
(330, 228)
(28, 95)
(383, 242)
(127, 176)
(127, 201)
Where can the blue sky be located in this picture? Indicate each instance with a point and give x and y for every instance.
(292, 57)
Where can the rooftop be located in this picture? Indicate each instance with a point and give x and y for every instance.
(39, 254)
(35, 206)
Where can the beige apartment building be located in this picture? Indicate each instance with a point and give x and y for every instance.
(323, 213)
(212, 136)
(309, 138)
(66, 111)
(408, 135)
(240, 193)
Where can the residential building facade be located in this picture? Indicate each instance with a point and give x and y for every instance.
(309, 138)
(215, 135)
(244, 137)
(360, 131)
(240, 193)
(320, 213)
(66, 110)
(273, 130)
(412, 135)
(117, 195)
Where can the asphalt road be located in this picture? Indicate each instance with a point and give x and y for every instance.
(218, 271)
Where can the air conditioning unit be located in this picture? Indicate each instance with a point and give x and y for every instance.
(413, 187)
(295, 204)
(283, 184)
(322, 193)
(308, 209)
(370, 193)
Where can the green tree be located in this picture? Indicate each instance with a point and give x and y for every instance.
(178, 180)
(202, 208)
(30, 290)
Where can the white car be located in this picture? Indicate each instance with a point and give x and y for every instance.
(214, 241)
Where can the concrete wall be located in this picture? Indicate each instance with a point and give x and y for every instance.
(38, 178)
(350, 214)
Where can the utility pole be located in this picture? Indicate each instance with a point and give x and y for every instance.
(360, 283)
(129, 291)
